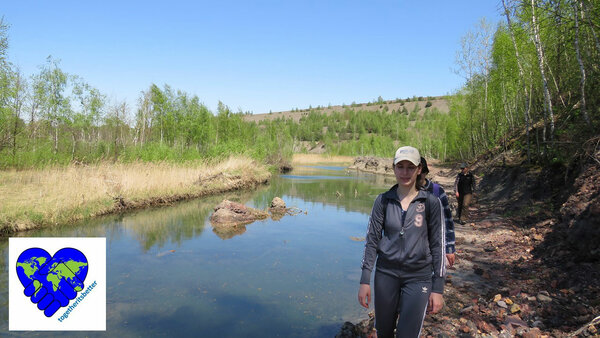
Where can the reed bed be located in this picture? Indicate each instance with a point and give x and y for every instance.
(41, 197)
(320, 158)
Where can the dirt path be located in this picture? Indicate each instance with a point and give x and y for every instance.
(498, 288)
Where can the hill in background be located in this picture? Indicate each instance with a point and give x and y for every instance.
(440, 103)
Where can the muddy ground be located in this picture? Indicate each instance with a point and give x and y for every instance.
(527, 262)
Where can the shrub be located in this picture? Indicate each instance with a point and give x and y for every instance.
(416, 108)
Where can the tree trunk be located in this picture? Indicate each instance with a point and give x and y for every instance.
(548, 114)
(522, 79)
(32, 126)
(56, 138)
(17, 107)
(74, 144)
(581, 67)
(161, 131)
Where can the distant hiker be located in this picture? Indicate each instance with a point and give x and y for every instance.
(406, 237)
(464, 186)
(439, 192)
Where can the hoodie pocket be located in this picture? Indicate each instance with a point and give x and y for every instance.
(391, 249)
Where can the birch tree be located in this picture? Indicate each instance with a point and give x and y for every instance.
(521, 76)
(541, 63)
(51, 86)
(580, 62)
(18, 92)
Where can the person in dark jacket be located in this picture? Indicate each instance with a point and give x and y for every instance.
(464, 186)
(440, 193)
(406, 237)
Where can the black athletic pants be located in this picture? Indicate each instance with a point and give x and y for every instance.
(403, 299)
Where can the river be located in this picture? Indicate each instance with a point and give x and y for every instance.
(170, 274)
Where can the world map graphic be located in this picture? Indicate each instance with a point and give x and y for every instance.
(52, 281)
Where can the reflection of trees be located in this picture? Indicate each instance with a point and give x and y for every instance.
(354, 193)
(104, 226)
(176, 223)
(186, 220)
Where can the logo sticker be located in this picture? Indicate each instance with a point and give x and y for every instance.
(64, 291)
(418, 220)
(51, 281)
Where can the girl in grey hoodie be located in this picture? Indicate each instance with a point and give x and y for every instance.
(406, 237)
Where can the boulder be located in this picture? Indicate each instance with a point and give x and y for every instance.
(278, 209)
(364, 328)
(229, 213)
(277, 203)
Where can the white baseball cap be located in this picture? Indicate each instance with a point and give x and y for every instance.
(409, 154)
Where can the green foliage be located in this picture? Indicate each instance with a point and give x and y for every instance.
(416, 108)
(69, 120)
(505, 88)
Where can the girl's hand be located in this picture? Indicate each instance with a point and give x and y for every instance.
(436, 302)
(364, 295)
(451, 258)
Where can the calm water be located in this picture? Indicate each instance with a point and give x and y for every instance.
(295, 277)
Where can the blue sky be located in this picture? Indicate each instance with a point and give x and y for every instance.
(252, 55)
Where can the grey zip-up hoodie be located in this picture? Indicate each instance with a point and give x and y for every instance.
(413, 249)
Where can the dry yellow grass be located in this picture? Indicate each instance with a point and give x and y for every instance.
(33, 198)
(319, 158)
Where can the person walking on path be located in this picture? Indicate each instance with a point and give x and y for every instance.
(464, 187)
(439, 192)
(406, 237)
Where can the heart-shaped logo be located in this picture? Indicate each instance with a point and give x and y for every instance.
(52, 281)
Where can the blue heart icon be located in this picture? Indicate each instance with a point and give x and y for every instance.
(52, 281)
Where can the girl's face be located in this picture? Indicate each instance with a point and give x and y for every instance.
(406, 173)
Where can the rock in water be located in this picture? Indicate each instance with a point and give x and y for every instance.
(232, 213)
(277, 203)
(230, 217)
(277, 209)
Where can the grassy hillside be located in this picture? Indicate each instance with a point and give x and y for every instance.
(375, 128)
(440, 103)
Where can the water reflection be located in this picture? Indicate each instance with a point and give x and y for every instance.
(297, 276)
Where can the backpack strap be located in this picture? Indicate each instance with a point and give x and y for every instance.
(436, 190)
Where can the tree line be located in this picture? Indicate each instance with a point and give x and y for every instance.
(534, 76)
(53, 117)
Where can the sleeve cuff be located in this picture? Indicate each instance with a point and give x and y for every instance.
(437, 285)
(365, 278)
(450, 249)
